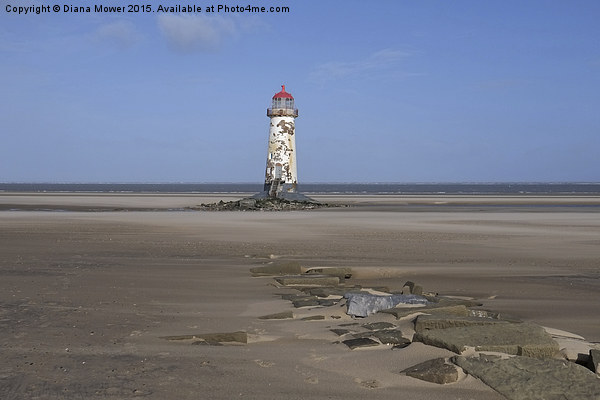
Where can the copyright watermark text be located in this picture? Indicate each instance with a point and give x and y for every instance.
(143, 8)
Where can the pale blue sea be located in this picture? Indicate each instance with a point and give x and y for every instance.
(315, 188)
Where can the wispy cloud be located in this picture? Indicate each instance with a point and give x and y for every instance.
(121, 33)
(385, 60)
(189, 33)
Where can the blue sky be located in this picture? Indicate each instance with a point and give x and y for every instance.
(387, 91)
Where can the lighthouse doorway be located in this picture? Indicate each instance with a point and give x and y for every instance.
(278, 171)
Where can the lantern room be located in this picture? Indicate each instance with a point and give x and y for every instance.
(282, 104)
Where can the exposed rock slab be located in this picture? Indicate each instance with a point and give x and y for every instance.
(294, 296)
(373, 326)
(328, 291)
(306, 302)
(524, 378)
(384, 336)
(340, 331)
(328, 302)
(431, 308)
(302, 300)
(281, 315)
(313, 318)
(595, 360)
(340, 272)
(436, 371)
(279, 268)
(393, 337)
(427, 322)
(308, 280)
(360, 342)
(573, 349)
(518, 339)
(212, 338)
(367, 334)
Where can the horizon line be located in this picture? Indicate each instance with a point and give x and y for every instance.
(305, 183)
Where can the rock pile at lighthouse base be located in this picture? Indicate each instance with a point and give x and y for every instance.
(268, 204)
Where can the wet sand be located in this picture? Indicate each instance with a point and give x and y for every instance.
(85, 297)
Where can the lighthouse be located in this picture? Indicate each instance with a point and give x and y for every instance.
(281, 175)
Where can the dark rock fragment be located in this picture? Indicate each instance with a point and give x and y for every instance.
(525, 378)
(327, 302)
(211, 338)
(295, 296)
(408, 287)
(518, 339)
(428, 322)
(340, 332)
(435, 371)
(281, 315)
(305, 302)
(342, 273)
(393, 337)
(362, 334)
(313, 318)
(247, 203)
(373, 326)
(326, 291)
(308, 280)
(349, 324)
(595, 360)
(360, 342)
(435, 308)
(278, 268)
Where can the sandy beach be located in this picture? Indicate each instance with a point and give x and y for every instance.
(86, 297)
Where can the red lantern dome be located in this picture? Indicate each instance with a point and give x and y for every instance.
(282, 105)
(283, 94)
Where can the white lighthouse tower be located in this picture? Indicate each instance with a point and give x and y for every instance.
(281, 175)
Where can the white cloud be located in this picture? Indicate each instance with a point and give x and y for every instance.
(196, 32)
(378, 62)
(122, 33)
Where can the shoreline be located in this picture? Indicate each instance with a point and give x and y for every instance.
(20, 201)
